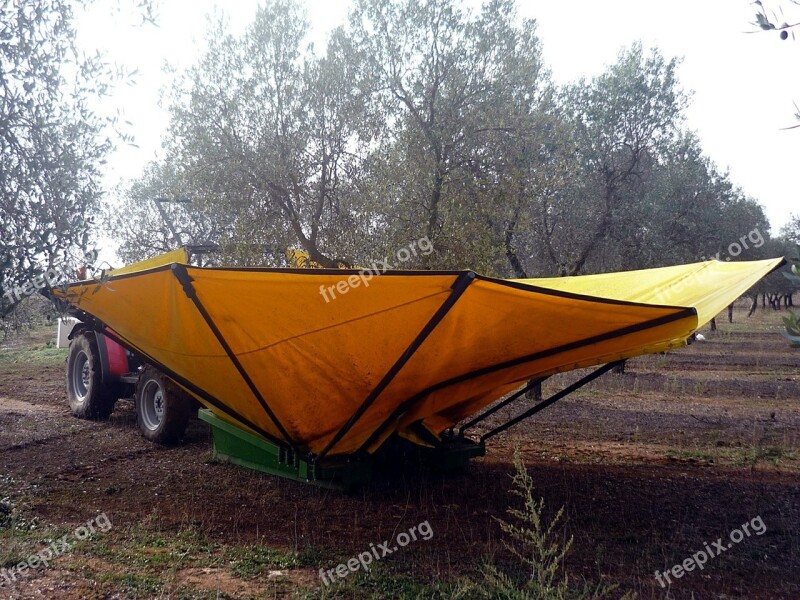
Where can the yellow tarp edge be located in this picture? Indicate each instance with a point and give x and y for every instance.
(174, 256)
(708, 286)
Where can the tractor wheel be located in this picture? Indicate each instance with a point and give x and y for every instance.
(88, 397)
(162, 408)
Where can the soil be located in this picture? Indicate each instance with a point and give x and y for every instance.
(650, 466)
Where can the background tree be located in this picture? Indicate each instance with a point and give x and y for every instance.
(630, 187)
(451, 85)
(157, 214)
(687, 203)
(622, 121)
(421, 118)
(792, 277)
(52, 141)
(791, 231)
(274, 137)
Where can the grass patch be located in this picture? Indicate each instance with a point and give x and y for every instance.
(700, 455)
(17, 545)
(746, 456)
(161, 550)
(378, 583)
(47, 355)
(144, 586)
(251, 561)
(775, 455)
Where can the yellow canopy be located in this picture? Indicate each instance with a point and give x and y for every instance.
(335, 361)
(173, 256)
(708, 286)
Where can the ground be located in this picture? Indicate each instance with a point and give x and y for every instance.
(650, 466)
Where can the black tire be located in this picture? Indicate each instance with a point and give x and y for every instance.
(88, 397)
(162, 408)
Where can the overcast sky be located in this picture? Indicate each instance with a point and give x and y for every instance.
(744, 84)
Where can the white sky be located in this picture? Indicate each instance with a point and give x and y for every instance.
(744, 84)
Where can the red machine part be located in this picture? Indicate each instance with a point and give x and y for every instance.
(117, 357)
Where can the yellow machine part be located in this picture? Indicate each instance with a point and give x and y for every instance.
(300, 356)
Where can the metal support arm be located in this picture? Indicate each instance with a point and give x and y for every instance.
(551, 400)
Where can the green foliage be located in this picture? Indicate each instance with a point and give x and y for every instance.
(462, 94)
(268, 139)
(792, 322)
(535, 543)
(28, 314)
(791, 231)
(52, 140)
(623, 121)
(429, 119)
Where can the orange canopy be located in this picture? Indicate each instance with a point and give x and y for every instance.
(335, 361)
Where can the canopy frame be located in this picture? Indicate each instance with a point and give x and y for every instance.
(547, 402)
(488, 413)
(460, 285)
(182, 275)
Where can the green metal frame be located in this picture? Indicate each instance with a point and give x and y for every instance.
(233, 444)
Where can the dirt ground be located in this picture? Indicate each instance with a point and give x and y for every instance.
(650, 466)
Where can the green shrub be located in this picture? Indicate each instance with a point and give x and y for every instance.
(536, 545)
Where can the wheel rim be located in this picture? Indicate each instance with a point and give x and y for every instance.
(81, 376)
(152, 405)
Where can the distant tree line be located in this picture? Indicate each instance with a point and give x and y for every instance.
(417, 119)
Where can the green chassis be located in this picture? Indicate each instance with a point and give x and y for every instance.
(235, 445)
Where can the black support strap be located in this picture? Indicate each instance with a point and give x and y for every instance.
(459, 287)
(531, 384)
(186, 281)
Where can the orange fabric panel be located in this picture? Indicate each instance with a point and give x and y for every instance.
(315, 361)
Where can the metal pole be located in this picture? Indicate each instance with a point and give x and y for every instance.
(531, 384)
(551, 400)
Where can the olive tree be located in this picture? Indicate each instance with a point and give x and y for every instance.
(273, 137)
(52, 139)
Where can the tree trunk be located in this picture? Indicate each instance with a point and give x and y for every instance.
(753, 306)
(535, 393)
(436, 198)
(511, 251)
(513, 259)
